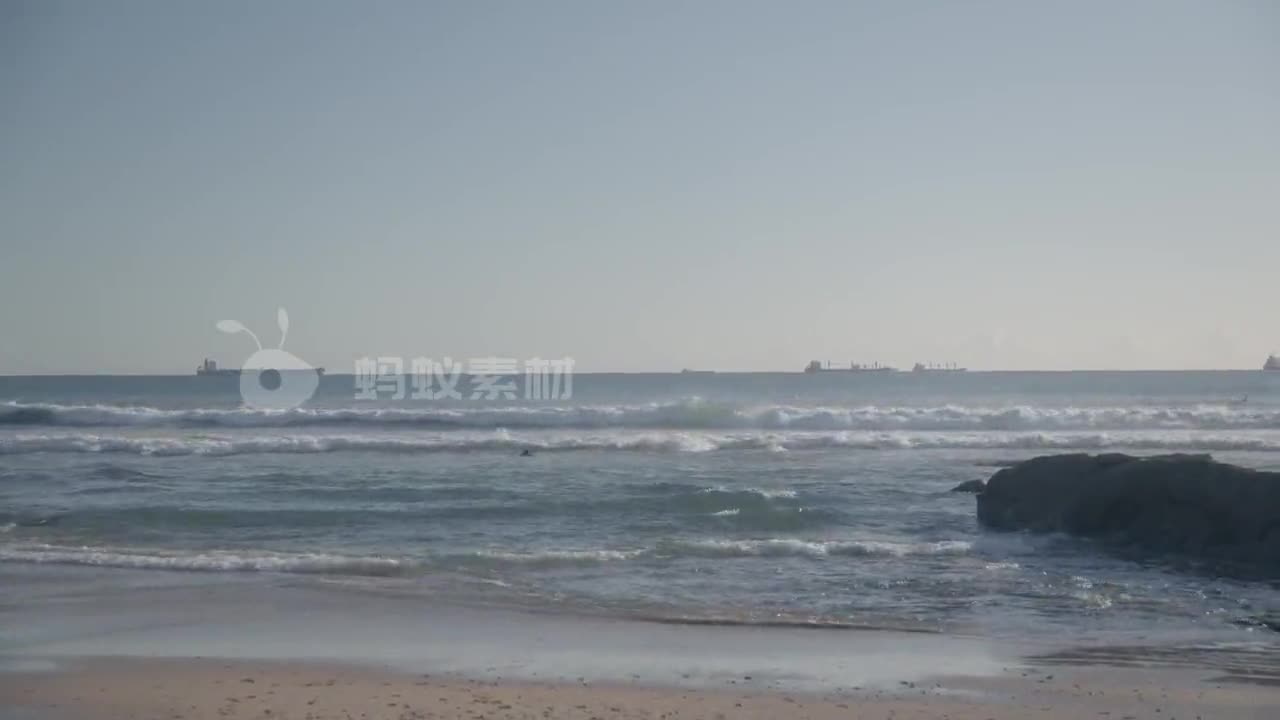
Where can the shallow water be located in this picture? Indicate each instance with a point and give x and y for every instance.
(747, 498)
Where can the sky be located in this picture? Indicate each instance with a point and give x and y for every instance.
(641, 186)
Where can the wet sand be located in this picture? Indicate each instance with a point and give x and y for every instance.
(195, 689)
(107, 645)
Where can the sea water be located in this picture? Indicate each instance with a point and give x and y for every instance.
(725, 498)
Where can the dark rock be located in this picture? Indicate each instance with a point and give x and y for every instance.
(970, 486)
(1183, 504)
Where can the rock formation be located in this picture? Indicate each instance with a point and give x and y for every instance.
(1181, 504)
(970, 486)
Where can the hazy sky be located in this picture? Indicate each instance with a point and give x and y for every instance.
(641, 185)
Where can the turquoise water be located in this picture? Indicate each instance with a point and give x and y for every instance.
(754, 498)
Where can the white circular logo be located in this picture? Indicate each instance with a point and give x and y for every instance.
(272, 379)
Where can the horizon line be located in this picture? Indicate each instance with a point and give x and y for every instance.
(701, 373)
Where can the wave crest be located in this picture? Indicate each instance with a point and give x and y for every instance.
(381, 566)
(790, 547)
(677, 442)
(693, 414)
(217, 561)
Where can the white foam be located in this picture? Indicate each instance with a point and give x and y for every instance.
(558, 556)
(333, 564)
(784, 547)
(692, 414)
(221, 561)
(678, 442)
(765, 493)
(777, 493)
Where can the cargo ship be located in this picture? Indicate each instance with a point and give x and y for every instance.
(817, 367)
(933, 367)
(210, 367)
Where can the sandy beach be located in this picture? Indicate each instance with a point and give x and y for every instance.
(105, 645)
(195, 689)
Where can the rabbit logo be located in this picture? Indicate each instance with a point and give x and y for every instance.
(273, 379)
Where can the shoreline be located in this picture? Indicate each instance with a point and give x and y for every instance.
(118, 645)
(56, 614)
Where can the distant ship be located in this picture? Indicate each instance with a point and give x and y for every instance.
(1273, 363)
(817, 367)
(688, 371)
(210, 367)
(932, 367)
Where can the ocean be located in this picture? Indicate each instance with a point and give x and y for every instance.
(774, 498)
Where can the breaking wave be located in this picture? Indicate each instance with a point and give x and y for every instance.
(550, 557)
(381, 566)
(691, 414)
(214, 561)
(670, 442)
(789, 547)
